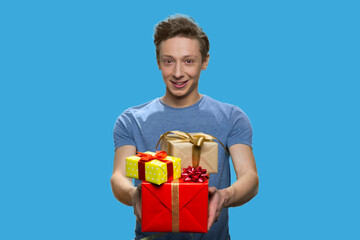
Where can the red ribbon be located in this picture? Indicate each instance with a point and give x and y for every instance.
(160, 155)
(192, 174)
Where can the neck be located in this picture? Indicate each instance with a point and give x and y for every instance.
(181, 102)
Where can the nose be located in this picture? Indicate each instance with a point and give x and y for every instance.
(178, 71)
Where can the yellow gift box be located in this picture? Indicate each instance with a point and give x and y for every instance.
(154, 171)
(194, 149)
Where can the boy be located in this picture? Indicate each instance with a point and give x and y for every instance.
(182, 53)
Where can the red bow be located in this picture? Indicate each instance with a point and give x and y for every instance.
(160, 155)
(192, 174)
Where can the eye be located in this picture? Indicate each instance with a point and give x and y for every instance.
(167, 61)
(189, 61)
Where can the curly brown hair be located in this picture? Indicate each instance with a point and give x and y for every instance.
(180, 25)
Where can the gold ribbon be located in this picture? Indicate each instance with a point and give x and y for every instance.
(197, 141)
(175, 205)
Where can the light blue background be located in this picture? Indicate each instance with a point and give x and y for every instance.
(69, 68)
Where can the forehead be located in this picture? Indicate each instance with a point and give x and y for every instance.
(180, 46)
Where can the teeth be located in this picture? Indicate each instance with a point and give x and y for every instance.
(180, 83)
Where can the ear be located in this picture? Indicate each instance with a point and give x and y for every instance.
(158, 63)
(205, 62)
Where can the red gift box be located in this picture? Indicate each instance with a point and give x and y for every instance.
(175, 206)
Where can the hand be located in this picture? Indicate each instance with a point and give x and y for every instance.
(136, 203)
(216, 204)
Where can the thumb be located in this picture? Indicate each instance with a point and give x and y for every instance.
(212, 190)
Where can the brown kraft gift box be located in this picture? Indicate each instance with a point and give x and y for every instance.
(194, 149)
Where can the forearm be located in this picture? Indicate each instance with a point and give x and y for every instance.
(241, 191)
(122, 188)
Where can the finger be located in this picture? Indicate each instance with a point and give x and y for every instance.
(213, 219)
(137, 205)
(139, 213)
(210, 225)
(138, 216)
(210, 220)
(212, 214)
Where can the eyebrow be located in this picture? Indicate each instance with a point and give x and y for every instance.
(186, 56)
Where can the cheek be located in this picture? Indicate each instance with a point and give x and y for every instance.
(193, 72)
(166, 72)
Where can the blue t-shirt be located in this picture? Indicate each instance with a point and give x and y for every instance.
(142, 126)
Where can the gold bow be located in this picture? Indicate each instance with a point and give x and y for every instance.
(197, 140)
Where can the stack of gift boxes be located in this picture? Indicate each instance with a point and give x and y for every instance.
(174, 190)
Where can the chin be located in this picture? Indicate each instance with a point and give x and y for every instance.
(179, 95)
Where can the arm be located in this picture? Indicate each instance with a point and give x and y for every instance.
(122, 186)
(242, 190)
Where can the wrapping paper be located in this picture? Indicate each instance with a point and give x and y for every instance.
(155, 171)
(175, 206)
(186, 148)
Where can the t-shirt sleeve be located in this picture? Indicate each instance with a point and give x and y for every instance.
(123, 131)
(241, 131)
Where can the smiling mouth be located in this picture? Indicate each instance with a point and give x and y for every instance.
(179, 84)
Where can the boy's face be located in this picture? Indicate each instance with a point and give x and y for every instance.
(181, 64)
